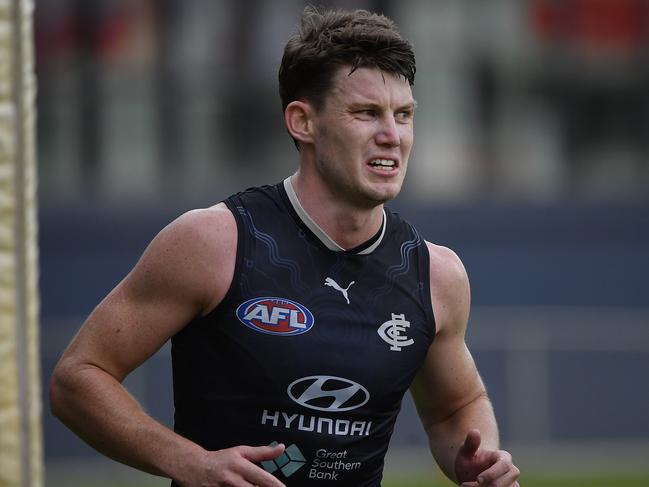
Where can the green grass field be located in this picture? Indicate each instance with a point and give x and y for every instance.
(528, 480)
(542, 480)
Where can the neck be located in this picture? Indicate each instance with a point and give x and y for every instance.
(346, 224)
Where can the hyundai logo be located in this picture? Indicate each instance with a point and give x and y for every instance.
(328, 393)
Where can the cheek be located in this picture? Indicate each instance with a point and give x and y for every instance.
(350, 144)
(407, 131)
(407, 137)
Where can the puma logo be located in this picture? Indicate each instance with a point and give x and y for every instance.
(330, 282)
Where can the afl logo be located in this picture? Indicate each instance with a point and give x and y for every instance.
(328, 393)
(275, 316)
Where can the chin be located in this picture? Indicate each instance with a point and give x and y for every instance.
(383, 196)
(387, 192)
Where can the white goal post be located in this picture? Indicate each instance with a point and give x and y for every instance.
(21, 450)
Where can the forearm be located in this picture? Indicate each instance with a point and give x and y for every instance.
(446, 437)
(100, 411)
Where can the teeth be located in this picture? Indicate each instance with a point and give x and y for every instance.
(385, 164)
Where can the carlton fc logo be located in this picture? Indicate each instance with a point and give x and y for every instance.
(393, 332)
(275, 316)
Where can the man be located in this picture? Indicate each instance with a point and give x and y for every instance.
(299, 313)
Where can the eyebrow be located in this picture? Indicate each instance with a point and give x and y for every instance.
(371, 104)
(412, 105)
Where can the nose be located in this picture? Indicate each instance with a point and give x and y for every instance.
(388, 134)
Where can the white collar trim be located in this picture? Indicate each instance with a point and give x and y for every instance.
(319, 232)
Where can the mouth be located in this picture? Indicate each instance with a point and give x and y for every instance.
(385, 165)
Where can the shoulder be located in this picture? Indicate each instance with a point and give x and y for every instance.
(200, 226)
(196, 251)
(446, 268)
(450, 291)
(202, 233)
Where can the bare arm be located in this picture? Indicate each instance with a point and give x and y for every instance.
(184, 273)
(449, 394)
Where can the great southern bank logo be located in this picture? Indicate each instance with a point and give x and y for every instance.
(288, 462)
(275, 316)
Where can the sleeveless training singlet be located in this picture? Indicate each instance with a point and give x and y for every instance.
(310, 347)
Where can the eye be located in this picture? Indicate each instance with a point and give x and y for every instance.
(405, 115)
(366, 113)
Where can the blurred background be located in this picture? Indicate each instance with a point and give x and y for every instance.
(531, 160)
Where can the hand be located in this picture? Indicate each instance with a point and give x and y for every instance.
(235, 467)
(475, 467)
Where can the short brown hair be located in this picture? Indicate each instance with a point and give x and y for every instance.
(328, 39)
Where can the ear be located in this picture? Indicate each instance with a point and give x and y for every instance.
(298, 117)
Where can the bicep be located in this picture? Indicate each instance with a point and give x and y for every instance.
(126, 328)
(172, 283)
(448, 378)
(447, 381)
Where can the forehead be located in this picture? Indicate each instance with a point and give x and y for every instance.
(370, 85)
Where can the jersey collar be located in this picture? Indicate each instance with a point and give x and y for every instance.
(362, 249)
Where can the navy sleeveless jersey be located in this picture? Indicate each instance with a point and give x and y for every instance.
(310, 347)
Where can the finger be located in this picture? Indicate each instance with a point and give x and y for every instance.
(259, 477)
(497, 470)
(261, 453)
(499, 483)
(502, 474)
(509, 479)
(471, 443)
